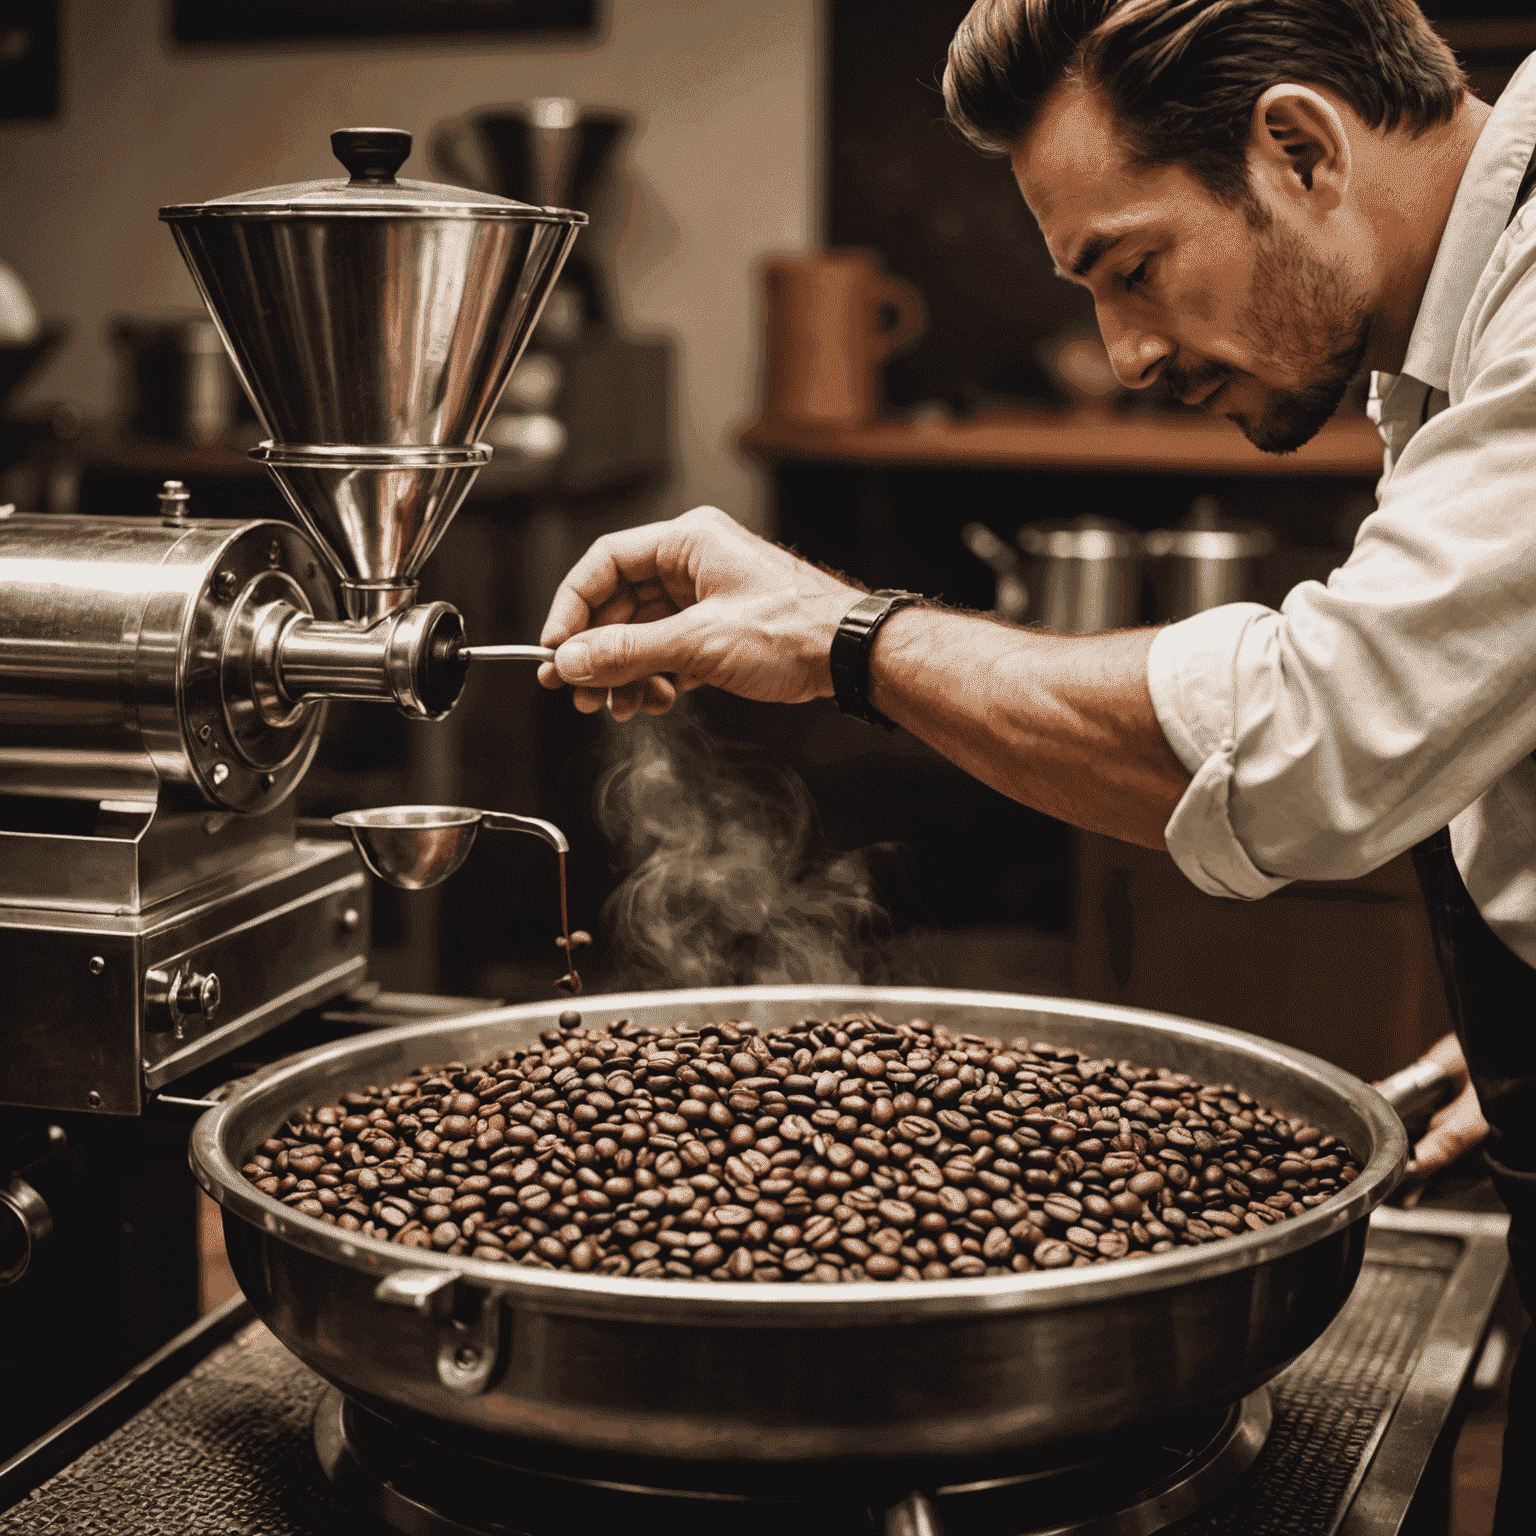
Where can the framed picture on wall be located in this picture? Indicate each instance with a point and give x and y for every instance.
(220, 21)
(29, 58)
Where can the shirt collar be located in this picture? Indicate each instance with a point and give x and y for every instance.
(1479, 215)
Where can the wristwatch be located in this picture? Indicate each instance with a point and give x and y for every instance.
(851, 646)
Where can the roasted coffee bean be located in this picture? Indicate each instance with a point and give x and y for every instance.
(831, 1151)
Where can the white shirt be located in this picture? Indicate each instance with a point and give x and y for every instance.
(1370, 712)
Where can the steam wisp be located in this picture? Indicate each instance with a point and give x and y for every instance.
(728, 881)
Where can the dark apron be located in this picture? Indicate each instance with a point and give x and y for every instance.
(1492, 997)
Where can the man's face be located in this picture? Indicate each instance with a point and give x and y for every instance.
(1237, 311)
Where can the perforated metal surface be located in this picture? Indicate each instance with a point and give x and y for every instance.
(227, 1451)
(224, 1452)
(1331, 1406)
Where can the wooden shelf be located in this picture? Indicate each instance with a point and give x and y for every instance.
(1075, 440)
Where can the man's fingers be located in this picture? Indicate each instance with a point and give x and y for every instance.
(651, 558)
(1453, 1132)
(660, 695)
(624, 703)
(618, 654)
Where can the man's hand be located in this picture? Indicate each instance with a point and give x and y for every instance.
(1064, 723)
(1458, 1127)
(657, 610)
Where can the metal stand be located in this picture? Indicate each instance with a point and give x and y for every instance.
(426, 1488)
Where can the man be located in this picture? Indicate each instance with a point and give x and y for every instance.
(1263, 196)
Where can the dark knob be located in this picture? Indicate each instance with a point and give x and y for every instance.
(199, 994)
(371, 155)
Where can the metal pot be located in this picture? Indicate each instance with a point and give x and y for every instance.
(900, 1380)
(1083, 575)
(1203, 565)
(180, 386)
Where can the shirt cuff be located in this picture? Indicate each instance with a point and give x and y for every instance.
(1190, 675)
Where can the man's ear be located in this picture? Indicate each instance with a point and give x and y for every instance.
(1298, 145)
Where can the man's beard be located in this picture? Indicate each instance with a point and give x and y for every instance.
(1302, 316)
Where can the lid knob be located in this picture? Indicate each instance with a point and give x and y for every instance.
(371, 155)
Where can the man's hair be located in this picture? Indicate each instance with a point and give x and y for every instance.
(1182, 76)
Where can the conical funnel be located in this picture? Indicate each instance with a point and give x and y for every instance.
(376, 513)
(368, 316)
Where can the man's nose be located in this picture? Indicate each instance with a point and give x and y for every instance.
(1137, 355)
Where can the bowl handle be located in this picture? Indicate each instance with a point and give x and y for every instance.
(466, 1352)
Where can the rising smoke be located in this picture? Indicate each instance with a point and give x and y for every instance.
(728, 880)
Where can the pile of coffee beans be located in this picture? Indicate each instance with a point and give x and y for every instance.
(829, 1151)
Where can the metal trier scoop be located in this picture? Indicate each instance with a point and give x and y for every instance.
(418, 846)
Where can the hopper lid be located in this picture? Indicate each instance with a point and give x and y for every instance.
(371, 157)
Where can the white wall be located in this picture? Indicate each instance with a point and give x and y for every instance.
(722, 171)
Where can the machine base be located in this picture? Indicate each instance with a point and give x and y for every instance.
(428, 1489)
(81, 1030)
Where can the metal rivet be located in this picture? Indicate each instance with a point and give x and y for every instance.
(268, 780)
(94, 1099)
(220, 772)
(225, 584)
(350, 919)
(97, 965)
(274, 553)
(205, 733)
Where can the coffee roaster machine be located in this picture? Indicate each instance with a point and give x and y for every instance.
(163, 688)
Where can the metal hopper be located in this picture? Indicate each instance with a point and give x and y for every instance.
(374, 323)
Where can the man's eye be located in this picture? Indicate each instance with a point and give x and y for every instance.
(1139, 276)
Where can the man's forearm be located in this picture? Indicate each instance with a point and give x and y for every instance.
(1063, 723)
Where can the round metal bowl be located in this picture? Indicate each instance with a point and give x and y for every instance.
(908, 1377)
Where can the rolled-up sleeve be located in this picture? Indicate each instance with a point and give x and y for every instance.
(1195, 689)
(1328, 737)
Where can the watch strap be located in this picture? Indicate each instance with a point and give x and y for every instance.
(851, 645)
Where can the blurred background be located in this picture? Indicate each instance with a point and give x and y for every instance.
(801, 299)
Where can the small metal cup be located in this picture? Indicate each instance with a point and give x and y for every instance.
(415, 847)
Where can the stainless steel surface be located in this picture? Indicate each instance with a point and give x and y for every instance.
(374, 324)
(418, 846)
(880, 1374)
(26, 1223)
(378, 513)
(87, 1023)
(408, 657)
(127, 856)
(914, 1516)
(1204, 564)
(382, 313)
(506, 653)
(1422, 1084)
(1082, 575)
(113, 637)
